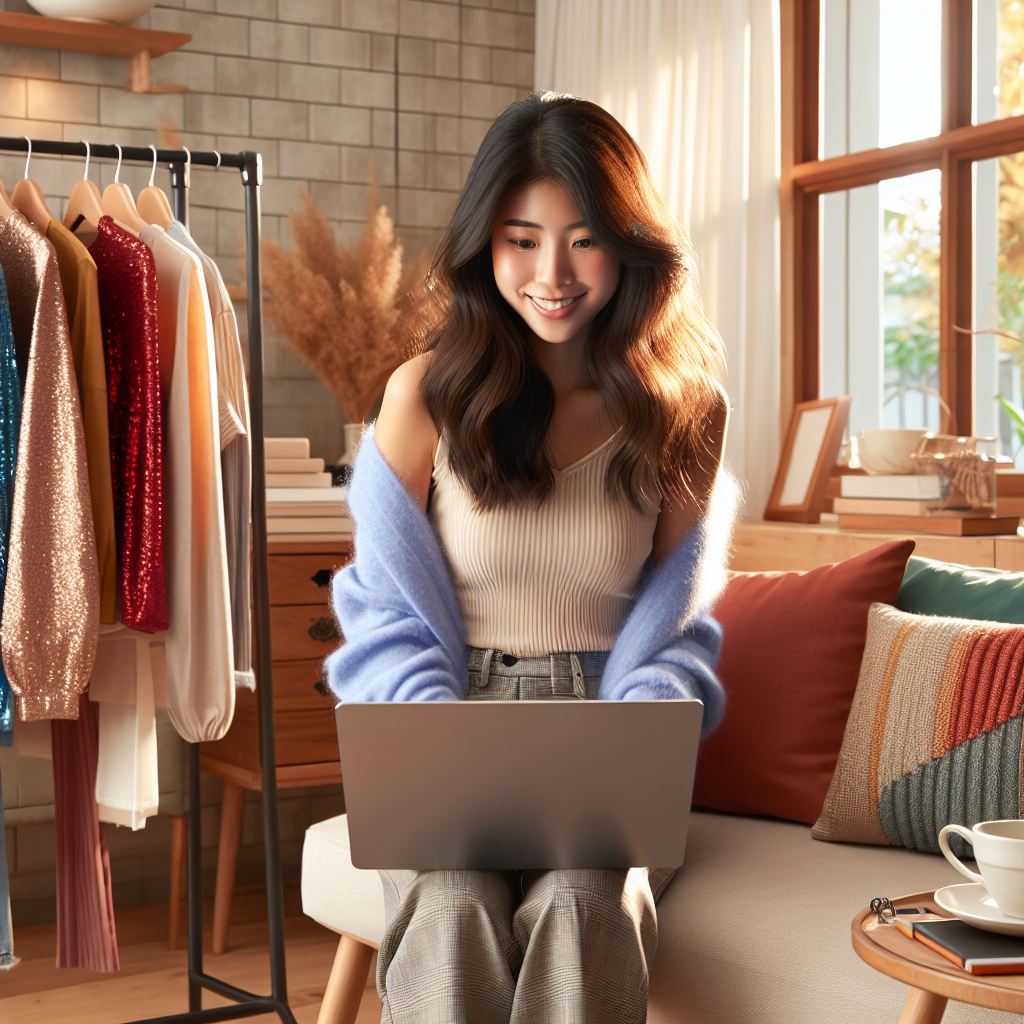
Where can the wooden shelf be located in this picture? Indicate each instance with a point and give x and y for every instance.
(782, 547)
(91, 37)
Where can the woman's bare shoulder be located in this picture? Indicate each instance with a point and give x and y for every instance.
(405, 433)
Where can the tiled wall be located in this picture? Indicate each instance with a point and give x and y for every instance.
(325, 90)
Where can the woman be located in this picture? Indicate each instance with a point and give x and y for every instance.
(562, 430)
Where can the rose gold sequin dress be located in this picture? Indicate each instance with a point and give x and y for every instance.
(51, 603)
(128, 311)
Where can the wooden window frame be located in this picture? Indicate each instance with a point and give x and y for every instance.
(805, 178)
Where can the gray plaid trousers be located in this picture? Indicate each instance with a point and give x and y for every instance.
(509, 947)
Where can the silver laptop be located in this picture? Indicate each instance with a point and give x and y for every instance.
(518, 784)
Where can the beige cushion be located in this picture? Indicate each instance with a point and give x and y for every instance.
(338, 895)
(756, 926)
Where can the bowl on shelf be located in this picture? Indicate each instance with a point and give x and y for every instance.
(120, 12)
(887, 452)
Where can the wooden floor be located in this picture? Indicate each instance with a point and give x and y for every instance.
(152, 979)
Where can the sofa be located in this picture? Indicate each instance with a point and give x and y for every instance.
(755, 926)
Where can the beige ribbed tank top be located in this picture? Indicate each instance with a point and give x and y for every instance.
(532, 581)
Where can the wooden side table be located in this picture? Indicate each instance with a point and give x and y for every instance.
(933, 980)
(303, 633)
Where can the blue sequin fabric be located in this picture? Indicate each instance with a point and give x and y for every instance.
(10, 424)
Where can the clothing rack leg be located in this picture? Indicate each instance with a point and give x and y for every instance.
(195, 882)
(252, 178)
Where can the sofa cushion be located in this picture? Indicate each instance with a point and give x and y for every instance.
(791, 653)
(756, 928)
(934, 734)
(334, 893)
(940, 588)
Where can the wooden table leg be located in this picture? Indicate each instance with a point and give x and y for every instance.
(347, 982)
(923, 1008)
(231, 814)
(179, 834)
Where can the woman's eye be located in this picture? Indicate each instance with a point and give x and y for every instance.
(583, 243)
(523, 243)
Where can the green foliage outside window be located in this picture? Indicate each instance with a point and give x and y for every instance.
(911, 276)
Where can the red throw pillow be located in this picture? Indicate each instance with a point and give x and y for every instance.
(790, 661)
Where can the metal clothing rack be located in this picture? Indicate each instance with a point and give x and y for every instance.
(246, 1004)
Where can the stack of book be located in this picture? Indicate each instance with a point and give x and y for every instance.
(301, 503)
(901, 503)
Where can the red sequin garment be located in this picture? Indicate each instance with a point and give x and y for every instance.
(127, 286)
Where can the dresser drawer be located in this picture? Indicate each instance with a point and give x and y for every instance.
(295, 686)
(301, 632)
(303, 579)
(304, 732)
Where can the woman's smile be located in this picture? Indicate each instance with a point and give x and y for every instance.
(555, 309)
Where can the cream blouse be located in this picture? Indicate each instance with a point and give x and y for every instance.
(561, 577)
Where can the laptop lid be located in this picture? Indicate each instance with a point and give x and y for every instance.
(518, 784)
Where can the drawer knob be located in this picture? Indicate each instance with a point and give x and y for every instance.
(324, 629)
(322, 578)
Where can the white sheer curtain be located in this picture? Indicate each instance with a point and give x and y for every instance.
(696, 82)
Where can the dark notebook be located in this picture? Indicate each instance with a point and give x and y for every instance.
(977, 952)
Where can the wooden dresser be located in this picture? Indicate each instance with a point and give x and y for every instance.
(303, 633)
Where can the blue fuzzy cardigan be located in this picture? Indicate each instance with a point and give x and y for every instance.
(404, 636)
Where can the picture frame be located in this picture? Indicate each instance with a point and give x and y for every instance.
(808, 456)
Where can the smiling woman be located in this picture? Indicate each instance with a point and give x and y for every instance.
(562, 429)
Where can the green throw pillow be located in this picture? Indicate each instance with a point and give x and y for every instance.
(961, 591)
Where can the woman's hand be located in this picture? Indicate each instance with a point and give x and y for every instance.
(675, 522)
(405, 433)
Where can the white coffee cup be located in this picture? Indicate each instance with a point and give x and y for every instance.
(999, 851)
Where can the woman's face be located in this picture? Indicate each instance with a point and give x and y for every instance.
(547, 264)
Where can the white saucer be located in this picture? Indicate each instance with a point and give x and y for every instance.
(973, 905)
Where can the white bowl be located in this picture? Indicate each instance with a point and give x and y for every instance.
(887, 452)
(120, 11)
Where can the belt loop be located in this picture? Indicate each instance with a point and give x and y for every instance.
(485, 668)
(579, 685)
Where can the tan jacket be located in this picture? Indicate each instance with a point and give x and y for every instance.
(81, 299)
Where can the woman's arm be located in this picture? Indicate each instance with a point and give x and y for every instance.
(405, 433)
(675, 522)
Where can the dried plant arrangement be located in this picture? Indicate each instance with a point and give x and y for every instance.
(351, 314)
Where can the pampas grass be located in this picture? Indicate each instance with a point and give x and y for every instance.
(350, 314)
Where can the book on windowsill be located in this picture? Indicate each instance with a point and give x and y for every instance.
(1009, 483)
(971, 949)
(909, 487)
(898, 507)
(947, 525)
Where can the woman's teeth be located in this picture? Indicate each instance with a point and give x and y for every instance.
(553, 304)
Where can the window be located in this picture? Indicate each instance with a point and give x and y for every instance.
(903, 210)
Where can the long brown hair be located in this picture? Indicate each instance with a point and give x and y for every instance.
(651, 352)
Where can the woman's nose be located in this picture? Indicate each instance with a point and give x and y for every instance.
(554, 267)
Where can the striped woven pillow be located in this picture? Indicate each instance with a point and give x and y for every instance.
(934, 733)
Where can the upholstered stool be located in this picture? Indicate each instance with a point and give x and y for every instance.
(348, 900)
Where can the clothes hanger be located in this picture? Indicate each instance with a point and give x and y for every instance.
(28, 197)
(153, 205)
(84, 202)
(118, 201)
